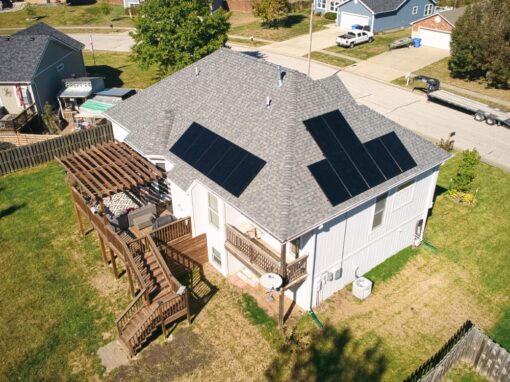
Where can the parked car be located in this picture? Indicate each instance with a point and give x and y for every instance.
(354, 37)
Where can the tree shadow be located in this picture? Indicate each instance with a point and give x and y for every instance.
(10, 210)
(111, 74)
(327, 355)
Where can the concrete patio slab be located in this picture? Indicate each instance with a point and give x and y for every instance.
(113, 355)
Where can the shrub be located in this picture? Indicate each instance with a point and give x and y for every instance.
(106, 8)
(466, 173)
(30, 11)
(447, 144)
(330, 16)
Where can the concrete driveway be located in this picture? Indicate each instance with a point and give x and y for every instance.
(298, 46)
(397, 63)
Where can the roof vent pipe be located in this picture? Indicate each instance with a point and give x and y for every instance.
(197, 72)
(268, 102)
(280, 76)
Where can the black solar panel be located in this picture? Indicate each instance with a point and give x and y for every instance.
(350, 167)
(329, 183)
(383, 158)
(398, 151)
(222, 161)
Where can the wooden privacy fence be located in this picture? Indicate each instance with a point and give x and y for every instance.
(19, 139)
(18, 158)
(472, 346)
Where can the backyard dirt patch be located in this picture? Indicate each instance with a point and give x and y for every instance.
(220, 345)
(415, 312)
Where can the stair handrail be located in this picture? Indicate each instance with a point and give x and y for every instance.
(134, 307)
(131, 261)
(172, 281)
(155, 307)
(182, 224)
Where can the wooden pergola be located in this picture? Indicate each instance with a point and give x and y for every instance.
(108, 169)
(101, 171)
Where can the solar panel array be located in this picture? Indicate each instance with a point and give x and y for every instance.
(351, 167)
(222, 161)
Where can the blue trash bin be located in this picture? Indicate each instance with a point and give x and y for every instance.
(356, 26)
(417, 42)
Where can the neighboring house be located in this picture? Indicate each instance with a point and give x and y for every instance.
(380, 15)
(34, 62)
(436, 30)
(283, 173)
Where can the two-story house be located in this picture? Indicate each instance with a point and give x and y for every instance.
(379, 15)
(34, 63)
(283, 173)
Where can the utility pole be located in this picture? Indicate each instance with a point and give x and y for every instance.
(310, 45)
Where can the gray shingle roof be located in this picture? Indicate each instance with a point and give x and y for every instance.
(383, 6)
(21, 52)
(228, 97)
(453, 14)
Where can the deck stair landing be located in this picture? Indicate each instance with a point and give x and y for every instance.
(161, 298)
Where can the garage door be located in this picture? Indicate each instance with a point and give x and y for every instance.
(435, 39)
(349, 19)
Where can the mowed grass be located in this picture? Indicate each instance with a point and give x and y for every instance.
(330, 59)
(371, 49)
(420, 302)
(53, 318)
(119, 70)
(297, 24)
(440, 71)
(65, 15)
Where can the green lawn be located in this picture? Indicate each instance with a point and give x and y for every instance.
(63, 15)
(297, 24)
(378, 46)
(55, 310)
(119, 70)
(330, 59)
(242, 41)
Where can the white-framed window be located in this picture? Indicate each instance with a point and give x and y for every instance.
(333, 5)
(415, 10)
(60, 67)
(380, 205)
(216, 256)
(404, 194)
(320, 4)
(214, 218)
(429, 8)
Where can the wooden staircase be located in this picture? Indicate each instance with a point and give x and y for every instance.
(161, 298)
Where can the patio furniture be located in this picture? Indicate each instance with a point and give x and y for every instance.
(162, 221)
(146, 214)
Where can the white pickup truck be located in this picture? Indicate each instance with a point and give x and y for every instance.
(354, 37)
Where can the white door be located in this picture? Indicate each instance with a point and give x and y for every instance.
(347, 20)
(435, 39)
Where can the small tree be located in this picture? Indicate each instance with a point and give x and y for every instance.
(106, 7)
(466, 173)
(50, 119)
(30, 11)
(272, 12)
(173, 34)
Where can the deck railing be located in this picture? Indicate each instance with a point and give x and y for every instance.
(172, 231)
(20, 120)
(261, 259)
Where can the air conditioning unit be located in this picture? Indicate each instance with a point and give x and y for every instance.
(361, 288)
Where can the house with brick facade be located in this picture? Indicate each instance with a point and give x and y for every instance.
(436, 30)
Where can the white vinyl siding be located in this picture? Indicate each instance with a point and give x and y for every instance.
(380, 205)
(415, 10)
(214, 218)
(404, 195)
(429, 8)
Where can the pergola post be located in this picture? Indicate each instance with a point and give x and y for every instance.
(77, 211)
(102, 247)
(283, 273)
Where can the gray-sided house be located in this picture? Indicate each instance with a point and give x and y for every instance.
(284, 174)
(34, 62)
(379, 15)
